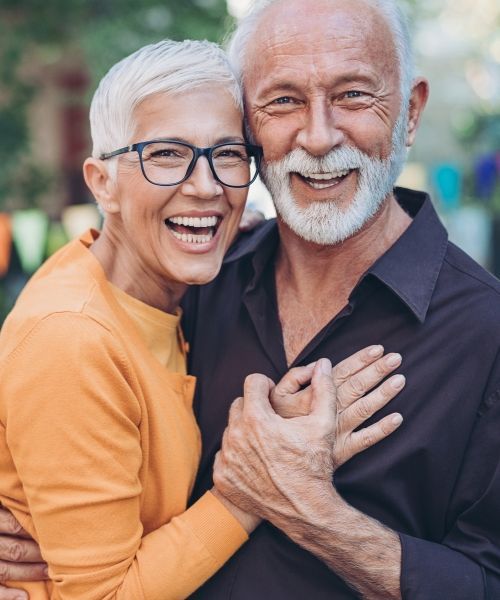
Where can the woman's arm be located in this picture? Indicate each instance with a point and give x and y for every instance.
(71, 413)
(358, 397)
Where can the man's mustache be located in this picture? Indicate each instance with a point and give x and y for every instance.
(299, 160)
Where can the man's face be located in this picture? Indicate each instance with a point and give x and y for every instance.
(323, 99)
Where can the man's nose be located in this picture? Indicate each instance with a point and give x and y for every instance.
(201, 183)
(320, 132)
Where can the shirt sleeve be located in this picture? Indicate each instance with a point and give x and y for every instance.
(72, 415)
(465, 565)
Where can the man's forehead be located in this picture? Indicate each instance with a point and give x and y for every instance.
(291, 31)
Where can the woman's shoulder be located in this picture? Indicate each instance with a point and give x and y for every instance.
(64, 298)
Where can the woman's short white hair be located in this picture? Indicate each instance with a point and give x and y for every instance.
(396, 19)
(164, 67)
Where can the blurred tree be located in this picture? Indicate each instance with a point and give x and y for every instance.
(89, 35)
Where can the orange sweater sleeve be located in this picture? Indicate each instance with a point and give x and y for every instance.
(71, 415)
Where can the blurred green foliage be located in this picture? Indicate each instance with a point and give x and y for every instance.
(94, 33)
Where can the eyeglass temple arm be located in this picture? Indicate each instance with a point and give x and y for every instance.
(106, 155)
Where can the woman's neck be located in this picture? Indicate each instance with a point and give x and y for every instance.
(124, 270)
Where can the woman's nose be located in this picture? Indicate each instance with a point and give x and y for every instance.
(201, 183)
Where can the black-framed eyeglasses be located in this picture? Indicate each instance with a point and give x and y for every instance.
(170, 162)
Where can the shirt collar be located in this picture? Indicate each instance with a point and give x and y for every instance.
(409, 268)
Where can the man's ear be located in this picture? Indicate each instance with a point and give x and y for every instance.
(101, 184)
(418, 100)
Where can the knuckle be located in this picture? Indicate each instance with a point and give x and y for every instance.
(386, 391)
(381, 368)
(363, 410)
(4, 571)
(234, 409)
(16, 552)
(13, 527)
(357, 386)
(341, 372)
(367, 439)
(218, 479)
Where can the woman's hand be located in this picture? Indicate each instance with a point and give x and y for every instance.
(20, 558)
(357, 398)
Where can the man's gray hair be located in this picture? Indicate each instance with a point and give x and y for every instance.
(165, 67)
(389, 9)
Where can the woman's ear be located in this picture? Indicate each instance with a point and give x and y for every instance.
(418, 100)
(101, 183)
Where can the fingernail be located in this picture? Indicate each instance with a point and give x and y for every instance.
(398, 381)
(325, 366)
(397, 419)
(393, 360)
(375, 351)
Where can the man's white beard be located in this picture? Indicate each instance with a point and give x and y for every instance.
(325, 222)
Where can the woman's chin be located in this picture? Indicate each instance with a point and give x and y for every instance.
(197, 276)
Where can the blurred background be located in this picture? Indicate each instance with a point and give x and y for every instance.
(53, 53)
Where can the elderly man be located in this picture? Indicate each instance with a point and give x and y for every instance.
(331, 97)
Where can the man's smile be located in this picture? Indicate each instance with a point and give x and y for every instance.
(320, 181)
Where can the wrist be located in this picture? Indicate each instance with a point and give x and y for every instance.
(248, 521)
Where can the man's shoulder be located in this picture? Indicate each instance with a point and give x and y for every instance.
(470, 292)
(462, 267)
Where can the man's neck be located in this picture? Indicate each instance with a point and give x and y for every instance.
(316, 280)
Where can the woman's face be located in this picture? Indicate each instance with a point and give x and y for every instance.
(148, 222)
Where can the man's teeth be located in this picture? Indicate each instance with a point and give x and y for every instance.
(192, 238)
(320, 181)
(325, 176)
(194, 221)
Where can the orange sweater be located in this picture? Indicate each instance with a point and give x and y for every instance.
(99, 447)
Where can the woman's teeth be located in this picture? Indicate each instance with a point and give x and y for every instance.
(194, 221)
(192, 238)
(193, 230)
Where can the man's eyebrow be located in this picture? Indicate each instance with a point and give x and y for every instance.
(350, 77)
(278, 87)
(356, 77)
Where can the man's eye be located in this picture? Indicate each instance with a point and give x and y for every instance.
(354, 94)
(283, 100)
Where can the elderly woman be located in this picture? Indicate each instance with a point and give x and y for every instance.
(99, 445)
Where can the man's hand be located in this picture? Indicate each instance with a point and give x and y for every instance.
(357, 399)
(268, 463)
(281, 469)
(261, 451)
(20, 558)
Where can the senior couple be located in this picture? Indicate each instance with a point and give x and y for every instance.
(100, 447)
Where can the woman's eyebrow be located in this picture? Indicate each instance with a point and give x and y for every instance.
(229, 139)
(222, 140)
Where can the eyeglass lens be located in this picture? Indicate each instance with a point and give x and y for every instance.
(166, 163)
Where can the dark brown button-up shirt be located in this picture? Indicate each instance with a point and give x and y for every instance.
(436, 480)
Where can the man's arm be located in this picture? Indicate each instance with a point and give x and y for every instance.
(283, 469)
(287, 480)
